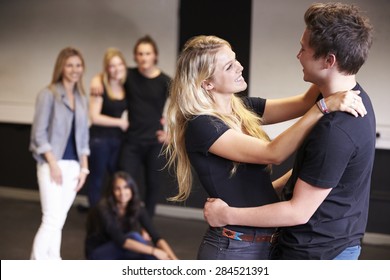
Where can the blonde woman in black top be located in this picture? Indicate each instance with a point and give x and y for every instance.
(220, 136)
(107, 114)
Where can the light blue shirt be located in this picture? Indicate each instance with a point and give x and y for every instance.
(53, 123)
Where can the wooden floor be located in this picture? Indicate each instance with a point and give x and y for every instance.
(20, 219)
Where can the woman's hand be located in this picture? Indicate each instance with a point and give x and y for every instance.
(81, 180)
(160, 254)
(124, 121)
(124, 124)
(55, 173)
(145, 235)
(164, 246)
(347, 101)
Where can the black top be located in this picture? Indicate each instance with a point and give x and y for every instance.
(337, 154)
(104, 225)
(251, 184)
(146, 99)
(112, 108)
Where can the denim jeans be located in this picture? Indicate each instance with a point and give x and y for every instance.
(103, 160)
(55, 202)
(214, 246)
(111, 251)
(350, 253)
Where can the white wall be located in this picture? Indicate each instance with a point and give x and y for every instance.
(33, 32)
(275, 71)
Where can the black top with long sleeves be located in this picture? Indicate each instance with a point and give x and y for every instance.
(104, 225)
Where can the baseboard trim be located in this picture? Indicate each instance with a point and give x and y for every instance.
(166, 210)
(17, 193)
(373, 238)
(161, 209)
(179, 212)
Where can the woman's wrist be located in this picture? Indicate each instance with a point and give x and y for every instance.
(51, 162)
(84, 170)
(153, 249)
(322, 106)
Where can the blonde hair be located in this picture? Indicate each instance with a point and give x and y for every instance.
(195, 64)
(59, 68)
(108, 55)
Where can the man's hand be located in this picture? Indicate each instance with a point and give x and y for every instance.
(96, 85)
(162, 135)
(215, 212)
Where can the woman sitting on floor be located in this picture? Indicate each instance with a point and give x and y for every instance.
(114, 226)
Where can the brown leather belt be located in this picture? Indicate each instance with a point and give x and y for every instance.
(247, 237)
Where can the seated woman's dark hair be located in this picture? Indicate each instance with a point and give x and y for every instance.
(134, 205)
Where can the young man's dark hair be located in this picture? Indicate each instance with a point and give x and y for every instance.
(341, 30)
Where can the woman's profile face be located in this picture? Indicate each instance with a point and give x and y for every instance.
(227, 77)
(122, 191)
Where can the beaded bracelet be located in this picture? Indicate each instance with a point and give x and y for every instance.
(322, 106)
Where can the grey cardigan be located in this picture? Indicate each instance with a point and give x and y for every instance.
(53, 122)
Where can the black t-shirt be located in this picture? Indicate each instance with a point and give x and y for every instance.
(112, 108)
(339, 154)
(251, 184)
(145, 99)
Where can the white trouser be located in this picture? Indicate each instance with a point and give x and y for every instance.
(56, 201)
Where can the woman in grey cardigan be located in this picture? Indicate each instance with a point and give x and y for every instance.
(59, 143)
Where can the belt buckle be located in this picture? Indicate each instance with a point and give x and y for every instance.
(274, 237)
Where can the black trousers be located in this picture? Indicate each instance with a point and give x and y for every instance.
(136, 157)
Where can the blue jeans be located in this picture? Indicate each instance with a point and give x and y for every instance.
(111, 251)
(103, 160)
(350, 253)
(214, 246)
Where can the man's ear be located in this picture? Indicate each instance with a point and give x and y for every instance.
(330, 60)
(207, 85)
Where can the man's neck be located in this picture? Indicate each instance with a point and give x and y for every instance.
(150, 73)
(337, 84)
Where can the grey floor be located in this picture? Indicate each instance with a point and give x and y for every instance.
(20, 219)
